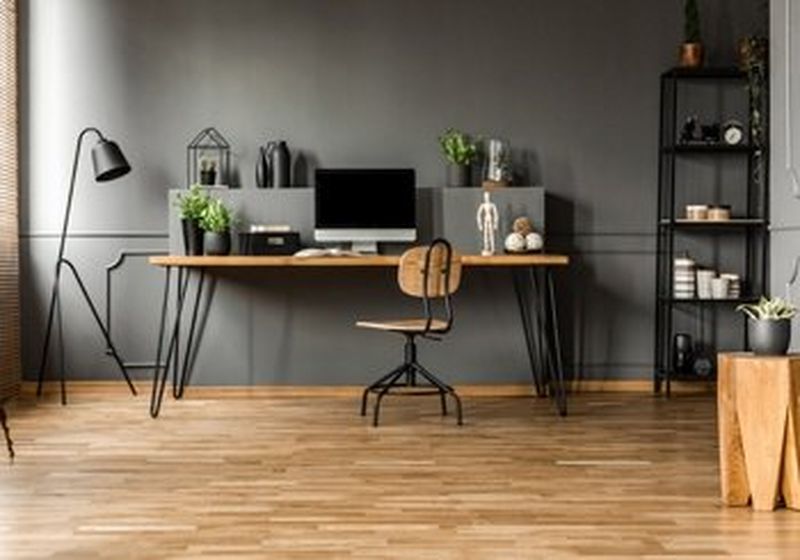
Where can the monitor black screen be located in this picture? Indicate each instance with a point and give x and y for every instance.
(365, 198)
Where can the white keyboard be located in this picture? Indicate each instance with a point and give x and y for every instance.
(314, 252)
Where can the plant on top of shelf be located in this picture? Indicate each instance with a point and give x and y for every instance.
(191, 205)
(216, 217)
(691, 52)
(216, 222)
(461, 152)
(770, 326)
(190, 209)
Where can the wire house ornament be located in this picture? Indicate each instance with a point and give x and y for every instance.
(208, 158)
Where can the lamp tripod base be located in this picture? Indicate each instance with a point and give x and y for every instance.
(55, 306)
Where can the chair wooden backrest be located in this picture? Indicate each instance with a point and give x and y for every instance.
(432, 272)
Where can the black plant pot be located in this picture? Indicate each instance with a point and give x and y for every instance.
(192, 237)
(769, 338)
(208, 177)
(217, 244)
(457, 175)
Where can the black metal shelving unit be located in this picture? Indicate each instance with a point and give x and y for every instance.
(750, 231)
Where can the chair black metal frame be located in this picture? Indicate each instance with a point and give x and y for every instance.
(403, 380)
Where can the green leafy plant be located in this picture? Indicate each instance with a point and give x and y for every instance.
(768, 309)
(192, 204)
(217, 217)
(458, 147)
(691, 22)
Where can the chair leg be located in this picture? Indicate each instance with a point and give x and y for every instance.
(444, 388)
(384, 391)
(375, 385)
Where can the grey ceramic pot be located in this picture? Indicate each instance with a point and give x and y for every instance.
(217, 244)
(457, 175)
(769, 338)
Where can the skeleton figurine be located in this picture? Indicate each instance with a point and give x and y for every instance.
(487, 224)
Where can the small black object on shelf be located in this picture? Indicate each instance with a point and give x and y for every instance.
(208, 158)
(269, 243)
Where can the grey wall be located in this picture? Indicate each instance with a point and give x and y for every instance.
(572, 84)
(785, 121)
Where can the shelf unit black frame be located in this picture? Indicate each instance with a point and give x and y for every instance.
(753, 228)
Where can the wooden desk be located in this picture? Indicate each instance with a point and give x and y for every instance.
(759, 430)
(533, 286)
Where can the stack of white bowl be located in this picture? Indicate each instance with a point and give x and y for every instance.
(684, 278)
(734, 285)
(704, 281)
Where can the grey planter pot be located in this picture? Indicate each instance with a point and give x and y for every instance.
(769, 338)
(217, 244)
(457, 175)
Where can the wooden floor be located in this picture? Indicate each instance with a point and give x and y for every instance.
(624, 476)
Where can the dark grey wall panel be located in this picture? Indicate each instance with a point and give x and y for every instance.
(573, 85)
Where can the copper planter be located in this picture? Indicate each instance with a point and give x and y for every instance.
(691, 55)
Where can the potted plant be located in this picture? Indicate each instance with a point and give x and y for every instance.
(460, 152)
(769, 327)
(190, 207)
(216, 223)
(691, 53)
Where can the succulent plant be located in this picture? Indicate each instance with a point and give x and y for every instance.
(769, 309)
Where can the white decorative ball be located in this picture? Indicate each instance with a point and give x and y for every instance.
(515, 243)
(534, 242)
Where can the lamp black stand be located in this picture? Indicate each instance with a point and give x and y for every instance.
(109, 164)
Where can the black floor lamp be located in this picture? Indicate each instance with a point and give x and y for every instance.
(109, 164)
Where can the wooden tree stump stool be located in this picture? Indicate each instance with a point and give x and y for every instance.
(758, 407)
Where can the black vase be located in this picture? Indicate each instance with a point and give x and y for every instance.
(192, 237)
(281, 165)
(208, 177)
(457, 175)
(217, 244)
(769, 338)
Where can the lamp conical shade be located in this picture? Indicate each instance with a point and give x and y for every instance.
(108, 160)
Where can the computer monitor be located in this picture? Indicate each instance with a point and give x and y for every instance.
(365, 206)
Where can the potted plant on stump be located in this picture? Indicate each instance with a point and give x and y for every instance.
(460, 152)
(769, 325)
(691, 53)
(216, 222)
(191, 206)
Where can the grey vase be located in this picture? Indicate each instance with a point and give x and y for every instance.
(457, 175)
(769, 338)
(217, 244)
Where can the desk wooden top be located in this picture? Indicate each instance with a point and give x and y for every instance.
(247, 261)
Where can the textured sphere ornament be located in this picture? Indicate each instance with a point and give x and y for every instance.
(534, 242)
(515, 243)
(522, 226)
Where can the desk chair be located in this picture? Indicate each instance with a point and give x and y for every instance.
(430, 273)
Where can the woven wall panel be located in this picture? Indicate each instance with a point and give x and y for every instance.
(9, 173)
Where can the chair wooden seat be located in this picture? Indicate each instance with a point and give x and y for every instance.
(405, 325)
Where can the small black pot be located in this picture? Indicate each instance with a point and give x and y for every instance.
(208, 177)
(192, 237)
(457, 175)
(217, 244)
(769, 338)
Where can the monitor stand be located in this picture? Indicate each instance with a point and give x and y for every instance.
(366, 247)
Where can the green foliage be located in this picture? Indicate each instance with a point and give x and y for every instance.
(769, 309)
(458, 147)
(216, 217)
(192, 204)
(691, 22)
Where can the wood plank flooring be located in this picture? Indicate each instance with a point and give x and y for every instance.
(624, 476)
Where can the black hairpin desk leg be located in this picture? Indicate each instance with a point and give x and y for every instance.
(171, 360)
(538, 310)
(6, 433)
(522, 289)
